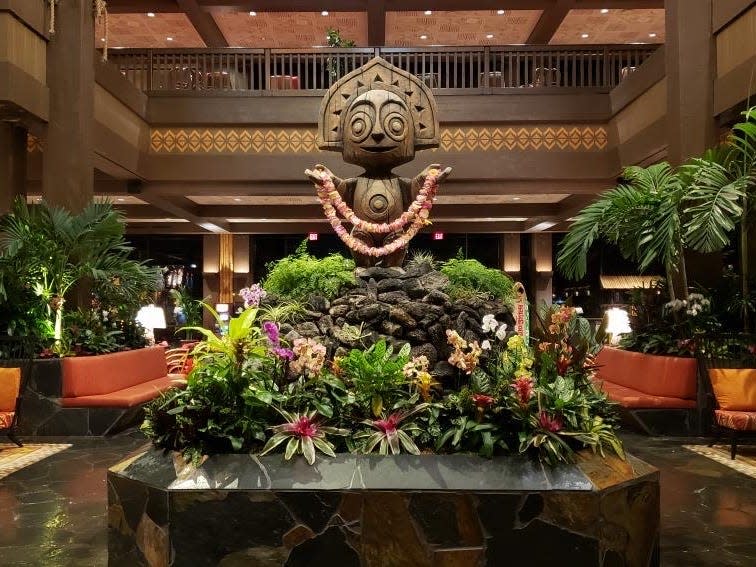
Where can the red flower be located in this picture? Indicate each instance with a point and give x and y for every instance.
(388, 425)
(523, 386)
(303, 427)
(550, 423)
(563, 364)
(482, 401)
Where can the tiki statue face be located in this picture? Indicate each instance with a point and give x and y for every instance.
(378, 131)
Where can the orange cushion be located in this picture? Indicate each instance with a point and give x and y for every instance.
(10, 383)
(666, 376)
(739, 420)
(734, 388)
(6, 418)
(128, 397)
(629, 398)
(105, 373)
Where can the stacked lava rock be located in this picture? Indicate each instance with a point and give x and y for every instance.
(401, 307)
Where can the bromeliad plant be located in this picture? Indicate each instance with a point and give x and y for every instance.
(252, 391)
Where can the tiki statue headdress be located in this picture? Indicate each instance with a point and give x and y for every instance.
(377, 116)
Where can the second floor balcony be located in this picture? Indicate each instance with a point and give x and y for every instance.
(447, 70)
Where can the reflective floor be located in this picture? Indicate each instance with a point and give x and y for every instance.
(53, 513)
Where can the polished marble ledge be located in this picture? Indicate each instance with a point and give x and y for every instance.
(456, 473)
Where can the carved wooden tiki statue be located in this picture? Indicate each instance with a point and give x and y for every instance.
(377, 116)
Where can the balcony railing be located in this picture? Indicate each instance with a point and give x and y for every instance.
(447, 70)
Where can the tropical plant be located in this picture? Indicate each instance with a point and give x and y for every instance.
(389, 435)
(55, 250)
(301, 275)
(187, 306)
(334, 39)
(421, 260)
(723, 183)
(304, 435)
(642, 216)
(377, 375)
(470, 278)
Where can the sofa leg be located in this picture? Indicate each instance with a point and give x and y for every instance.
(16, 440)
(717, 436)
(734, 444)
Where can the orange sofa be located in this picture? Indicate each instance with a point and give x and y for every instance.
(118, 380)
(636, 380)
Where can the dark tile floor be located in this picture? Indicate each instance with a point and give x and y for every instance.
(53, 513)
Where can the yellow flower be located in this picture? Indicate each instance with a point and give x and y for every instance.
(424, 383)
(515, 341)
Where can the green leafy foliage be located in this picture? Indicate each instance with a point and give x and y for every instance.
(470, 278)
(300, 275)
(245, 395)
(46, 251)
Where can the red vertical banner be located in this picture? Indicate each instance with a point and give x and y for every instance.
(521, 314)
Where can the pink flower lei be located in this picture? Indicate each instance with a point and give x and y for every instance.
(417, 214)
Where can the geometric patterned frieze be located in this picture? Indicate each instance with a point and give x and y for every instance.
(576, 138)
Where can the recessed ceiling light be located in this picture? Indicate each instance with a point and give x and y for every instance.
(253, 13)
(237, 199)
(489, 36)
(605, 10)
(500, 12)
(423, 36)
(324, 13)
(652, 35)
(169, 39)
(150, 14)
(515, 198)
(428, 12)
(121, 199)
(102, 39)
(584, 35)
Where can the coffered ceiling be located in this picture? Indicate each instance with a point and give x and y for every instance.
(611, 26)
(302, 24)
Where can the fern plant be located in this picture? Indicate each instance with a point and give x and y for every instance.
(300, 275)
(470, 278)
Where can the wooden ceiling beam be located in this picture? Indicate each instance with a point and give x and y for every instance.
(549, 22)
(376, 13)
(203, 22)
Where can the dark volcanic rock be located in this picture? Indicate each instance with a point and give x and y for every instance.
(437, 297)
(391, 329)
(390, 284)
(339, 310)
(417, 336)
(379, 273)
(444, 372)
(325, 324)
(427, 350)
(433, 281)
(399, 315)
(308, 329)
(393, 297)
(319, 303)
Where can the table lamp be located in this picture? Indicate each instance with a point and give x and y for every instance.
(151, 317)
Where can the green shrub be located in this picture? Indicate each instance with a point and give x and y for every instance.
(470, 278)
(300, 275)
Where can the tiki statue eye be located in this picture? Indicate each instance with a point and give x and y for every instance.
(360, 126)
(396, 126)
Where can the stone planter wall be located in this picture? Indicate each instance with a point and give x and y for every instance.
(370, 511)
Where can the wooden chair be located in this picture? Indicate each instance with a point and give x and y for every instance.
(16, 357)
(176, 359)
(727, 399)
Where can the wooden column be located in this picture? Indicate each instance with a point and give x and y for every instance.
(12, 164)
(210, 270)
(542, 255)
(67, 172)
(509, 255)
(691, 66)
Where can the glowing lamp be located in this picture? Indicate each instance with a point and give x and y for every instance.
(617, 323)
(151, 317)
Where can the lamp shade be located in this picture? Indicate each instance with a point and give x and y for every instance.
(617, 322)
(151, 317)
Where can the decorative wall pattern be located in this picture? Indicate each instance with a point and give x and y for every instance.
(33, 144)
(302, 141)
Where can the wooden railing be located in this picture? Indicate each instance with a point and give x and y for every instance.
(445, 69)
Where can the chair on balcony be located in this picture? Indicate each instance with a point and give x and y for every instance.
(546, 77)
(495, 79)
(283, 82)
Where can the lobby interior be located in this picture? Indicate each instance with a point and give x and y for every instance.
(193, 121)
